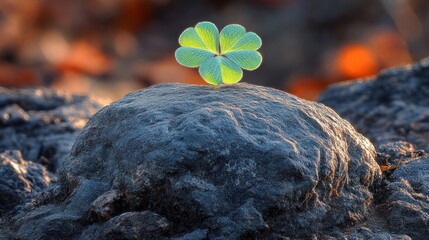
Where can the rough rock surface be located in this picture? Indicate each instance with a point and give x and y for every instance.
(406, 198)
(19, 180)
(37, 130)
(239, 162)
(361, 233)
(393, 106)
(42, 123)
(130, 225)
(393, 111)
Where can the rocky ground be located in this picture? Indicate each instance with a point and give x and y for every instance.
(392, 110)
(178, 161)
(37, 130)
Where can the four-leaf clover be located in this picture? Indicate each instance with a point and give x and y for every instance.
(219, 56)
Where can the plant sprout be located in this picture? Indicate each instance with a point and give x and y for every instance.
(220, 57)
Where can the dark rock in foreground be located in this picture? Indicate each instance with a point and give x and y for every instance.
(190, 162)
(42, 123)
(393, 106)
(393, 111)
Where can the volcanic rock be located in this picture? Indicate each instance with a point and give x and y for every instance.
(130, 225)
(392, 109)
(239, 162)
(406, 198)
(20, 180)
(393, 106)
(42, 123)
(366, 233)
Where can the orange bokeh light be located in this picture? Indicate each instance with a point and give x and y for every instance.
(356, 61)
(306, 87)
(87, 58)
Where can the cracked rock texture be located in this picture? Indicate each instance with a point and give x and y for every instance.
(188, 162)
(392, 109)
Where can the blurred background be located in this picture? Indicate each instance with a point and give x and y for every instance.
(108, 48)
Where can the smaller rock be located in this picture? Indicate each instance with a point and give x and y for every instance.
(365, 233)
(246, 221)
(106, 205)
(130, 225)
(49, 228)
(13, 115)
(391, 155)
(394, 151)
(406, 199)
(397, 149)
(278, 237)
(43, 222)
(19, 180)
(198, 234)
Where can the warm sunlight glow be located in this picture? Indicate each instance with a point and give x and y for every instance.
(356, 60)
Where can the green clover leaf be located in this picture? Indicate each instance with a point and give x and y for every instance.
(220, 57)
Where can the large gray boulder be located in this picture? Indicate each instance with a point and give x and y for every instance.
(242, 161)
(42, 123)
